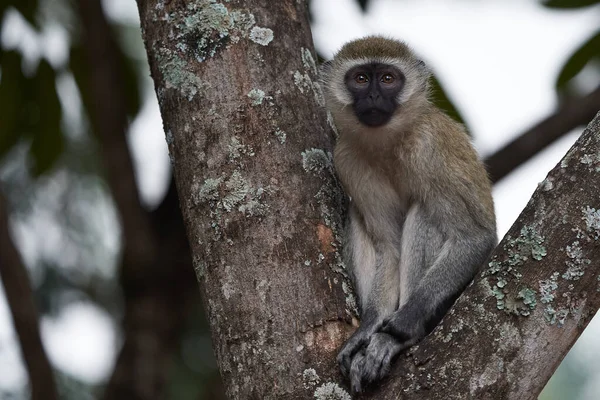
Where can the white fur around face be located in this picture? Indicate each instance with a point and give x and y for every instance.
(416, 76)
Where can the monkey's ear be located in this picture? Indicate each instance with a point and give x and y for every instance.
(423, 68)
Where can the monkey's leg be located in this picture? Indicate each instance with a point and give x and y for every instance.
(375, 285)
(381, 302)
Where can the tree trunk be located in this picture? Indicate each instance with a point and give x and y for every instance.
(236, 83)
(251, 153)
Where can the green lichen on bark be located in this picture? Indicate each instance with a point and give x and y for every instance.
(527, 296)
(548, 288)
(177, 75)
(527, 246)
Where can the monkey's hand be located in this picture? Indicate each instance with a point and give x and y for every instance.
(374, 362)
(358, 341)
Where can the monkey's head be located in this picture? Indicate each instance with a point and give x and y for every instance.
(371, 81)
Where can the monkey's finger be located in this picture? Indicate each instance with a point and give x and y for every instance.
(356, 372)
(373, 364)
(344, 361)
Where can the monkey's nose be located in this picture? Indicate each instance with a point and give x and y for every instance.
(374, 96)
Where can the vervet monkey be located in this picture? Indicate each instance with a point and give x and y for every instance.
(421, 219)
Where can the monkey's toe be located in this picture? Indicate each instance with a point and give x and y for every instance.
(378, 357)
(356, 372)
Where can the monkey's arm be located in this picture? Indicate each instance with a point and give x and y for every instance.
(377, 290)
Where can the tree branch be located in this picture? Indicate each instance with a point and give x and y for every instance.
(508, 332)
(570, 115)
(24, 314)
(110, 115)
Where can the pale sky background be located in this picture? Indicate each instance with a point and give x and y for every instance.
(497, 60)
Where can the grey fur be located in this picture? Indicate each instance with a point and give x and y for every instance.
(421, 220)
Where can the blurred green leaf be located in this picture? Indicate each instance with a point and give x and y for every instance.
(48, 141)
(569, 3)
(27, 8)
(589, 51)
(30, 110)
(441, 100)
(127, 67)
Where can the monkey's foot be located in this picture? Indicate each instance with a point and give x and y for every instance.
(375, 364)
(358, 341)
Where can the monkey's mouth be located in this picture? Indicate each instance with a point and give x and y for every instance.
(374, 117)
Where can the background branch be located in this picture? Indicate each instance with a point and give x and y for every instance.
(19, 296)
(156, 273)
(571, 114)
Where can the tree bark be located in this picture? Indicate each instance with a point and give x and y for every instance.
(251, 155)
(236, 83)
(19, 296)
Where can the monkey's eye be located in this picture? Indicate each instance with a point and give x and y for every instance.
(387, 78)
(361, 78)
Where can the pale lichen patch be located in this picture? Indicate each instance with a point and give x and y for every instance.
(591, 216)
(176, 74)
(310, 378)
(199, 267)
(332, 124)
(547, 184)
(208, 191)
(576, 262)
(316, 161)
(237, 149)
(350, 298)
(548, 288)
(227, 287)
(308, 60)
(280, 135)
(331, 391)
(257, 96)
(303, 80)
(262, 36)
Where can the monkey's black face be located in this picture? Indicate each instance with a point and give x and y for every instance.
(374, 87)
